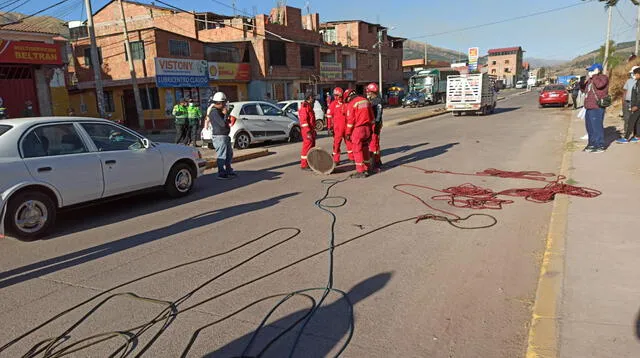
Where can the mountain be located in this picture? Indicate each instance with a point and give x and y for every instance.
(541, 62)
(415, 50)
(578, 64)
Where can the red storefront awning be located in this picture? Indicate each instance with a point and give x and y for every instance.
(30, 52)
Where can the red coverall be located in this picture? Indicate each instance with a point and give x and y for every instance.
(308, 127)
(359, 124)
(374, 146)
(337, 121)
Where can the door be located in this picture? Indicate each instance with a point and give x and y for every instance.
(126, 165)
(17, 85)
(130, 111)
(251, 117)
(276, 122)
(55, 154)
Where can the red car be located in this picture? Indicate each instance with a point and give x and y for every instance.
(554, 94)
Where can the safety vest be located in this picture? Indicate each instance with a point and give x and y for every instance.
(194, 114)
(180, 112)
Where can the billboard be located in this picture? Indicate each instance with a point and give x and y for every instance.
(178, 72)
(474, 54)
(30, 52)
(330, 71)
(229, 71)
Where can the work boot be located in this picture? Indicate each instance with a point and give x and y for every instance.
(359, 175)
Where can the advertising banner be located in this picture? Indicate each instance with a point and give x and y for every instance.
(177, 72)
(330, 71)
(229, 71)
(30, 52)
(474, 54)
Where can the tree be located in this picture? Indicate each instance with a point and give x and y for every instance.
(614, 59)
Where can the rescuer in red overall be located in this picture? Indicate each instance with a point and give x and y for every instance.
(359, 123)
(376, 105)
(307, 120)
(337, 124)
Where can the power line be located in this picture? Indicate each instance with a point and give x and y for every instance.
(18, 6)
(622, 17)
(35, 13)
(8, 3)
(502, 21)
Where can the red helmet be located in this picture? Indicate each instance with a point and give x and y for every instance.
(337, 92)
(372, 87)
(348, 94)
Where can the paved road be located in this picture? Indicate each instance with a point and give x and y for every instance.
(419, 290)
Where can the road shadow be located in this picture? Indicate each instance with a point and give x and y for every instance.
(611, 133)
(637, 332)
(346, 166)
(420, 155)
(499, 110)
(327, 328)
(45, 267)
(83, 218)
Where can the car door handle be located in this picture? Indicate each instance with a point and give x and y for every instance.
(243, 119)
(44, 169)
(267, 119)
(109, 162)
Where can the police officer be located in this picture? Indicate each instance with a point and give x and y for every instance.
(181, 115)
(194, 115)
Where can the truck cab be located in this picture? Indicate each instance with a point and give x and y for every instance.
(431, 82)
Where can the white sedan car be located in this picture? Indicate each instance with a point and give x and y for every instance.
(257, 121)
(48, 163)
(293, 106)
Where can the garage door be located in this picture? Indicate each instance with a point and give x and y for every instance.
(17, 85)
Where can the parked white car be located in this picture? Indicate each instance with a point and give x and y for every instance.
(257, 121)
(49, 163)
(293, 106)
(521, 84)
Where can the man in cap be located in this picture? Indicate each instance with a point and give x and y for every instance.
(194, 115)
(360, 121)
(220, 122)
(180, 116)
(595, 89)
(626, 110)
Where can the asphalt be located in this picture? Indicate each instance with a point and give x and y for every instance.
(419, 290)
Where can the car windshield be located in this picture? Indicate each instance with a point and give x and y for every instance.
(281, 105)
(4, 129)
(554, 88)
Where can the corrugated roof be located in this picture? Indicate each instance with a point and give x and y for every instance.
(505, 49)
(11, 21)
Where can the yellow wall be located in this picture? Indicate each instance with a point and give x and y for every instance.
(89, 98)
(60, 101)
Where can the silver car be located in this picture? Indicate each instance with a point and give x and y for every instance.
(49, 163)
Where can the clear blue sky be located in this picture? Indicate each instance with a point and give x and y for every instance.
(559, 35)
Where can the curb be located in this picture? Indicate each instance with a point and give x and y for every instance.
(544, 327)
(212, 162)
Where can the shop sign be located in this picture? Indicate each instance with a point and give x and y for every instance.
(176, 72)
(229, 71)
(30, 52)
(348, 75)
(330, 70)
(474, 54)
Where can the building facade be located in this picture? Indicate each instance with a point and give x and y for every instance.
(506, 64)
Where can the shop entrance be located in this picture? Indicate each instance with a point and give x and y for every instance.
(130, 111)
(17, 85)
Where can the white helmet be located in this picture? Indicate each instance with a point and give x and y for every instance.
(219, 97)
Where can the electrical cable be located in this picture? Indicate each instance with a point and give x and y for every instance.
(34, 14)
(53, 347)
(622, 17)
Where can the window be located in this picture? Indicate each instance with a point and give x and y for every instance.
(307, 56)
(179, 48)
(506, 62)
(249, 110)
(294, 107)
(78, 32)
(493, 71)
(269, 110)
(330, 35)
(137, 50)
(109, 138)
(4, 129)
(328, 57)
(150, 93)
(222, 53)
(109, 105)
(277, 53)
(493, 63)
(59, 139)
(506, 70)
(87, 56)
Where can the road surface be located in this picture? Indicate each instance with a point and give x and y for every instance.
(423, 289)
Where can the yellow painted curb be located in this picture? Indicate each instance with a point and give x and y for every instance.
(544, 330)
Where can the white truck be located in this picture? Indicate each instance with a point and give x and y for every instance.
(472, 93)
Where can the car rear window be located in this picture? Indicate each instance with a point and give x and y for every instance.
(4, 128)
(554, 88)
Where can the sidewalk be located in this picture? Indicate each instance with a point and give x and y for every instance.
(599, 299)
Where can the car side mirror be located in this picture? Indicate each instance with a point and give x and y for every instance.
(145, 143)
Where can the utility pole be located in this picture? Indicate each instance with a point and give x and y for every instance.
(426, 63)
(95, 60)
(132, 69)
(380, 61)
(606, 45)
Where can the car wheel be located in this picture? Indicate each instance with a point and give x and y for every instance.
(243, 140)
(295, 135)
(456, 114)
(30, 215)
(319, 125)
(180, 180)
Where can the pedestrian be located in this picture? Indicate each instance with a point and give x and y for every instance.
(634, 121)
(194, 115)
(327, 99)
(596, 90)
(307, 119)
(337, 125)
(626, 110)
(575, 91)
(220, 123)
(180, 115)
(359, 122)
(28, 109)
(376, 106)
